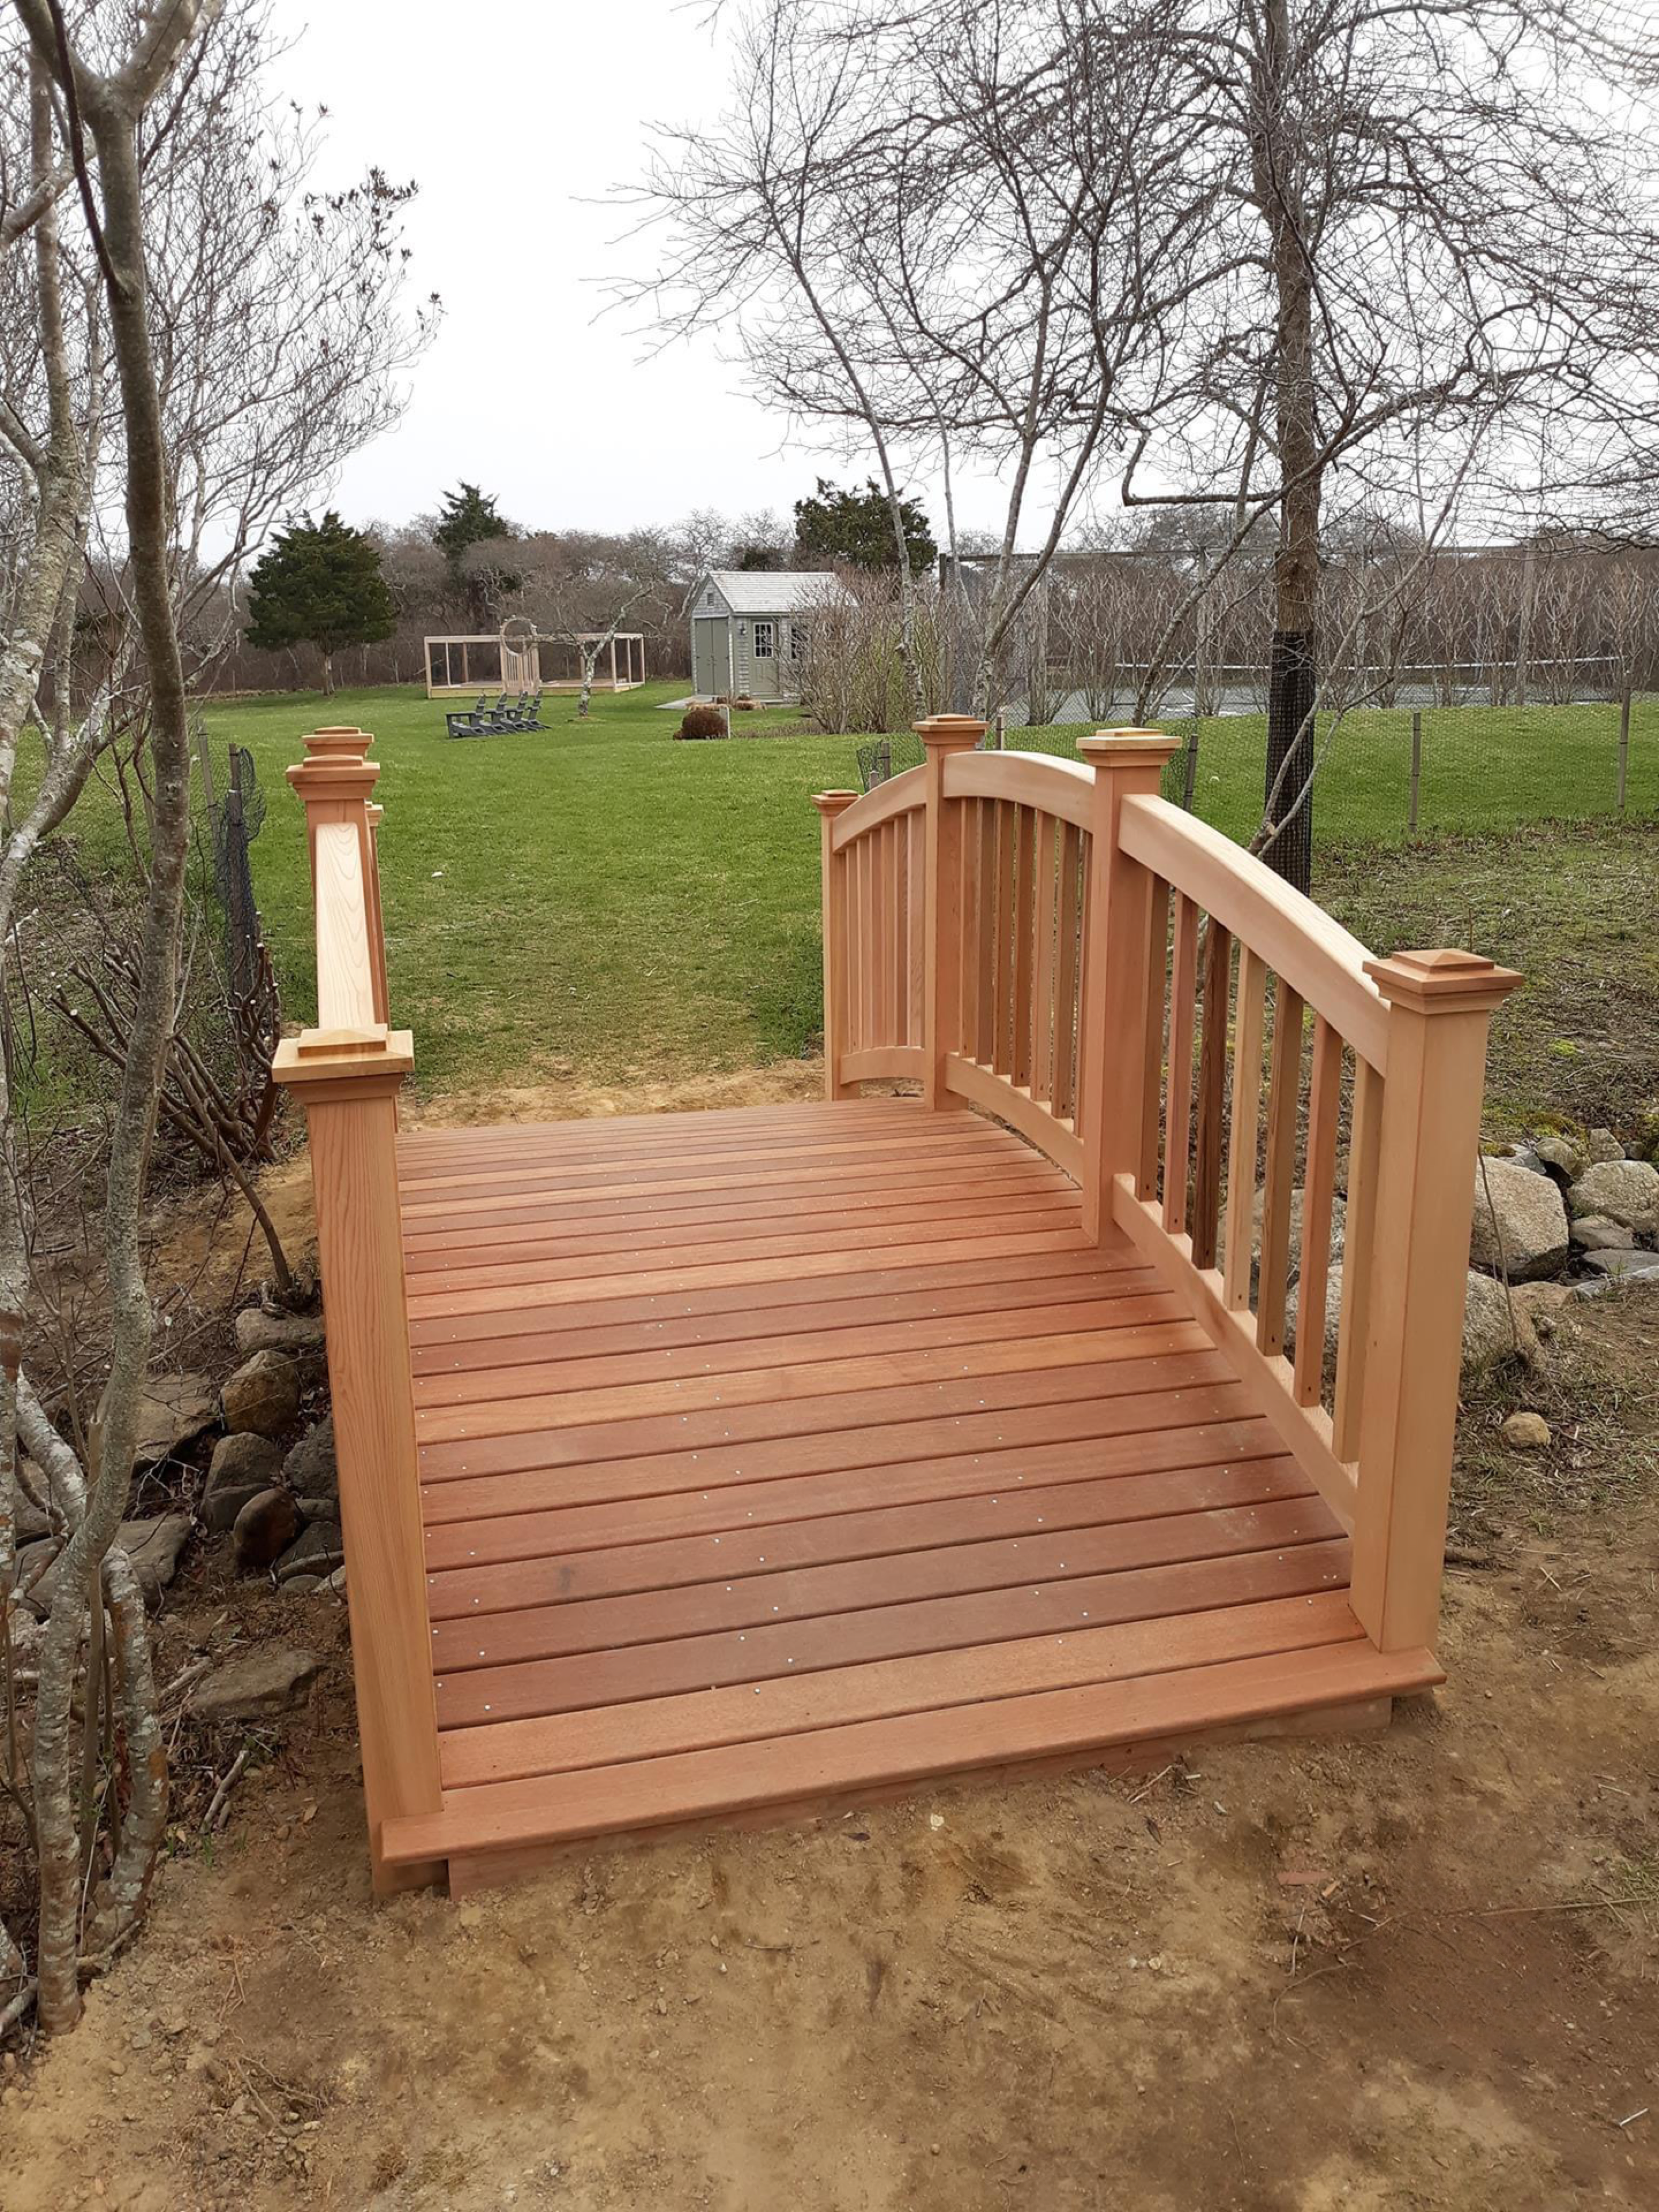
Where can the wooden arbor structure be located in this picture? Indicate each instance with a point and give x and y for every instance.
(506, 660)
(700, 1465)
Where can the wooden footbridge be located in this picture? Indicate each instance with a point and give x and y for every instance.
(705, 1466)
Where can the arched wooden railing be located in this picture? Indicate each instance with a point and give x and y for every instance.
(1198, 1044)
(346, 1072)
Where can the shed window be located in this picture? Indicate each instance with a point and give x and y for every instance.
(798, 640)
(763, 636)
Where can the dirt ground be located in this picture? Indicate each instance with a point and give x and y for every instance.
(1417, 1970)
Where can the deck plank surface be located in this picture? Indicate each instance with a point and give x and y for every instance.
(781, 1449)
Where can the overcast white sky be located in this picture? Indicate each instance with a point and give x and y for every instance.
(513, 116)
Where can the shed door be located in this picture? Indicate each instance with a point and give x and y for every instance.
(711, 655)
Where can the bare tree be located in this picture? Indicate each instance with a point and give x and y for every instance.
(950, 236)
(1442, 238)
(111, 116)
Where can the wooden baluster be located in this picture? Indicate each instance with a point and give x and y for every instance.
(867, 953)
(942, 1017)
(1020, 1061)
(901, 930)
(1283, 1097)
(1354, 1324)
(1246, 1126)
(916, 825)
(347, 1077)
(1184, 978)
(972, 919)
(1211, 1087)
(985, 1041)
(1043, 982)
(1157, 977)
(837, 1007)
(1127, 763)
(1066, 969)
(1324, 1106)
(1440, 1007)
(1002, 1044)
(881, 933)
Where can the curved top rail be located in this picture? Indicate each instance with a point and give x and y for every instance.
(1062, 788)
(898, 795)
(1297, 939)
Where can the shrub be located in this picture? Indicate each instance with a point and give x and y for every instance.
(701, 722)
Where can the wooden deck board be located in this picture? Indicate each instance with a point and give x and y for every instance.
(769, 1454)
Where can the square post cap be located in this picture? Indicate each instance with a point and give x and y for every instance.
(831, 803)
(951, 733)
(1445, 982)
(1113, 748)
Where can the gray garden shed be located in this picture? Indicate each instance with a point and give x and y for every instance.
(749, 628)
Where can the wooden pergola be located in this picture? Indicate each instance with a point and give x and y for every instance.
(491, 660)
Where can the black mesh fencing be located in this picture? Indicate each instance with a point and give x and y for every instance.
(237, 820)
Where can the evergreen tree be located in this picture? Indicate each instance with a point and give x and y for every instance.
(857, 527)
(469, 518)
(320, 584)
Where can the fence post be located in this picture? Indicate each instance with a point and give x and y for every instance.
(347, 1076)
(1440, 1006)
(1624, 745)
(1416, 769)
(831, 804)
(943, 926)
(1117, 917)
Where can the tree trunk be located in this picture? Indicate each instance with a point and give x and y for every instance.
(1287, 827)
(328, 675)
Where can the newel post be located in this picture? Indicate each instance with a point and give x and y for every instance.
(346, 1075)
(1440, 1005)
(944, 928)
(831, 804)
(1117, 923)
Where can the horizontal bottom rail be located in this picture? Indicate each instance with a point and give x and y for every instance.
(878, 1062)
(982, 1086)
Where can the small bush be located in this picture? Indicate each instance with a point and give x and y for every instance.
(701, 722)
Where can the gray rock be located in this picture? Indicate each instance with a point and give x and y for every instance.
(1603, 1146)
(154, 1547)
(1622, 1266)
(33, 1560)
(303, 1585)
(262, 1396)
(1597, 1232)
(1520, 1222)
(1338, 1217)
(321, 1509)
(1569, 1160)
(244, 1462)
(1495, 1329)
(336, 1581)
(272, 1679)
(1492, 1330)
(263, 1530)
(1624, 1190)
(1540, 1303)
(318, 1551)
(172, 1410)
(259, 1331)
(310, 1469)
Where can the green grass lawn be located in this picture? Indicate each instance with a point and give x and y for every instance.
(594, 899)
(597, 901)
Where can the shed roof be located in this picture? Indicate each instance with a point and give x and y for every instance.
(775, 591)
